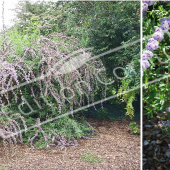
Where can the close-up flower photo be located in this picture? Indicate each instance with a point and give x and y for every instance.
(156, 84)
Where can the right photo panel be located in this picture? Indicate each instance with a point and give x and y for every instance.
(156, 85)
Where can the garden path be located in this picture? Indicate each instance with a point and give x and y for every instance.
(116, 147)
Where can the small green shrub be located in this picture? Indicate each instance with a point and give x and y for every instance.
(134, 128)
(102, 113)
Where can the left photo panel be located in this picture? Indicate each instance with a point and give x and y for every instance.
(69, 85)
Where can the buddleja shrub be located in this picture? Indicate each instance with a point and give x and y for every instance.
(155, 58)
(39, 82)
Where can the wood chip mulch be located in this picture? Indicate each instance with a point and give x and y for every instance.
(118, 149)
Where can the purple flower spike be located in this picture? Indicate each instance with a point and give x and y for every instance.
(159, 36)
(169, 145)
(164, 26)
(163, 19)
(145, 64)
(159, 30)
(149, 2)
(144, 6)
(147, 55)
(152, 44)
(151, 40)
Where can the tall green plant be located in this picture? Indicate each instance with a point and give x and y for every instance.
(130, 88)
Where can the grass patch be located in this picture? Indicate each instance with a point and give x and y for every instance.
(88, 157)
(3, 168)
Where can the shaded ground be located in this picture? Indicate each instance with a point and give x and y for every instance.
(155, 144)
(118, 149)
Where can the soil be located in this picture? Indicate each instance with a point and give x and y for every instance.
(115, 146)
(155, 144)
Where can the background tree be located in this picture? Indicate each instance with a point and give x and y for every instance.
(102, 25)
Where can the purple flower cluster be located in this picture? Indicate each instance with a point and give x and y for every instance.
(145, 64)
(147, 55)
(153, 42)
(149, 2)
(165, 24)
(145, 5)
(159, 34)
(164, 123)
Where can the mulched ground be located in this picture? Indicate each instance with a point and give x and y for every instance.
(155, 144)
(118, 149)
